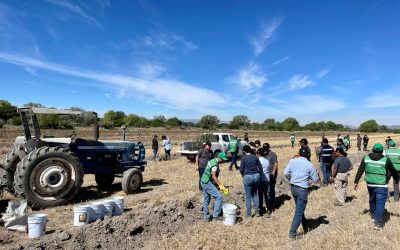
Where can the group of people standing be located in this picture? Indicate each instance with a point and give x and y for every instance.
(165, 143)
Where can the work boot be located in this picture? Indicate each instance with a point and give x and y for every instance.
(378, 226)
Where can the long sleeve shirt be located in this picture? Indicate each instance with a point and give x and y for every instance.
(299, 171)
(376, 157)
(250, 164)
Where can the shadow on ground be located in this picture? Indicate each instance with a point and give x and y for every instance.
(314, 223)
(280, 200)
(154, 182)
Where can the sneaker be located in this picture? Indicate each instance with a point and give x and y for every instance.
(338, 204)
(296, 237)
(258, 214)
(377, 226)
(206, 218)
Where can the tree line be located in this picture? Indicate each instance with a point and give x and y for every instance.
(112, 119)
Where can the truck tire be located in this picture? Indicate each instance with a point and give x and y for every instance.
(132, 180)
(48, 176)
(2, 175)
(104, 181)
(10, 162)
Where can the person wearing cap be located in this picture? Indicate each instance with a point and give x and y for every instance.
(304, 149)
(341, 167)
(250, 169)
(299, 171)
(292, 138)
(340, 145)
(387, 141)
(154, 147)
(233, 149)
(273, 170)
(394, 155)
(209, 183)
(246, 137)
(376, 167)
(204, 155)
(326, 160)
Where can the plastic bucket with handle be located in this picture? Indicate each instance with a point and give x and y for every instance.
(229, 211)
(36, 225)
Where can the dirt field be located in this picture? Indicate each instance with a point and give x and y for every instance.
(166, 214)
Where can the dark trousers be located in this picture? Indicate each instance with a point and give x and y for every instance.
(234, 160)
(365, 146)
(272, 182)
(377, 200)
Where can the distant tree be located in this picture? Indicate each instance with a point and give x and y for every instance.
(158, 121)
(239, 121)
(279, 126)
(7, 110)
(330, 125)
(269, 124)
(115, 118)
(208, 122)
(384, 128)
(290, 123)
(174, 122)
(34, 104)
(134, 120)
(369, 126)
(313, 126)
(49, 121)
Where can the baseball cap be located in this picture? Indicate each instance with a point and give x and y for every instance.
(222, 156)
(341, 151)
(377, 147)
(392, 143)
(303, 140)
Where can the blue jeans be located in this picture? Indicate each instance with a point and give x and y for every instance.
(154, 154)
(264, 192)
(300, 196)
(377, 199)
(209, 190)
(326, 170)
(251, 183)
(233, 160)
(201, 171)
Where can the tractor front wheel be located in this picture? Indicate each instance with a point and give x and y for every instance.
(132, 180)
(48, 176)
(10, 163)
(104, 181)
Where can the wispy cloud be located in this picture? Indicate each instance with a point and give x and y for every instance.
(250, 76)
(383, 100)
(150, 70)
(299, 82)
(265, 36)
(170, 92)
(167, 40)
(323, 73)
(280, 60)
(307, 105)
(76, 10)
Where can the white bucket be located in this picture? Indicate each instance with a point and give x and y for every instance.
(98, 210)
(119, 204)
(36, 225)
(82, 215)
(110, 207)
(229, 211)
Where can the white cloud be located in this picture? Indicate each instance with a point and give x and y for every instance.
(311, 104)
(250, 76)
(149, 70)
(299, 82)
(280, 60)
(170, 92)
(75, 9)
(167, 40)
(383, 100)
(323, 73)
(265, 36)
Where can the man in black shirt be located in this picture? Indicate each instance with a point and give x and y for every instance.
(326, 156)
(204, 155)
(154, 147)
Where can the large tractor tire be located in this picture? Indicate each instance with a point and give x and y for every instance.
(48, 176)
(2, 184)
(104, 181)
(132, 180)
(10, 163)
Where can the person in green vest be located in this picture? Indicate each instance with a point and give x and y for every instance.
(376, 167)
(346, 142)
(292, 138)
(233, 149)
(209, 183)
(394, 155)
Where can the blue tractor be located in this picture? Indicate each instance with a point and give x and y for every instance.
(48, 171)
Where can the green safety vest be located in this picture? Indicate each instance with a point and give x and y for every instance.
(205, 178)
(375, 171)
(345, 141)
(394, 155)
(292, 138)
(232, 145)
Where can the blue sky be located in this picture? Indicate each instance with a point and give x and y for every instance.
(313, 60)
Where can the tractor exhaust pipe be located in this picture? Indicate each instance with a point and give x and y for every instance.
(96, 130)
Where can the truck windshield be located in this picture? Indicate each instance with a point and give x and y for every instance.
(225, 138)
(209, 137)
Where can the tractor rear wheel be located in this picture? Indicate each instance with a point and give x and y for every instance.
(48, 176)
(2, 173)
(104, 181)
(132, 180)
(10, 163)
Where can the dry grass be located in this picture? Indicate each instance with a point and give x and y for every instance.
(347, 227)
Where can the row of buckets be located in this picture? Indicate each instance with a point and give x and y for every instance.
(83, 214)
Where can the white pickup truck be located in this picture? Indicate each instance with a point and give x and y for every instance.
(219, 143)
